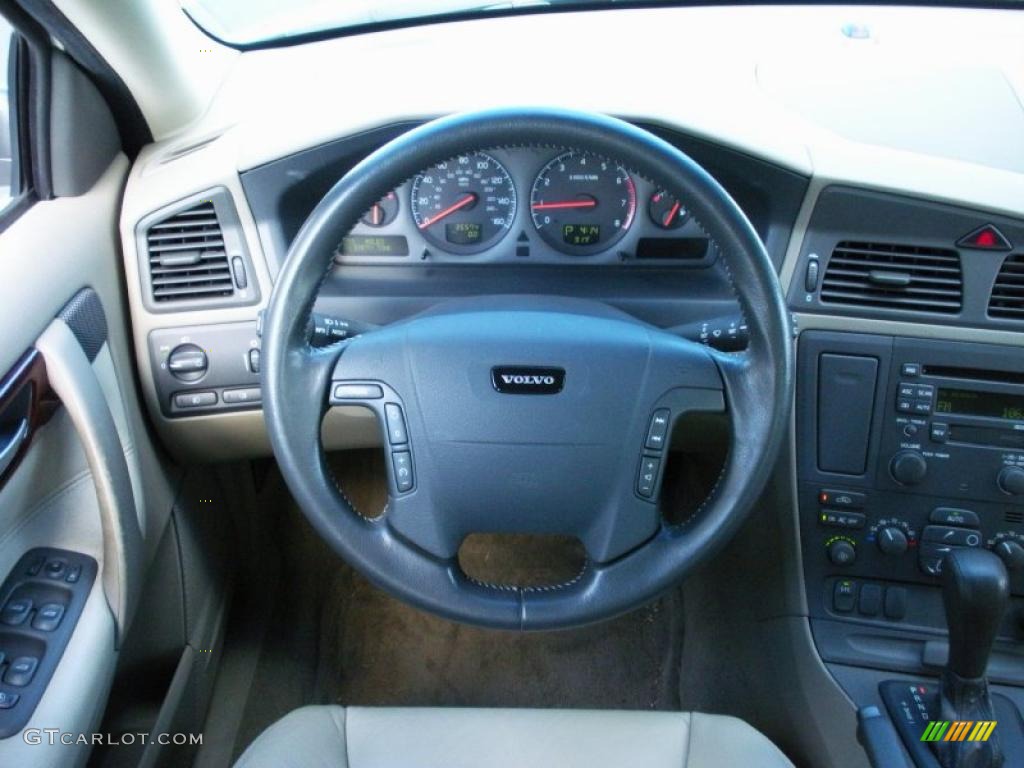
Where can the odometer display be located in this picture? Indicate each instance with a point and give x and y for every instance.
(582, 203)
(465, 205)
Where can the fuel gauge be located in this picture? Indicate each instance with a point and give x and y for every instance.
(382, 212)
(665, 211)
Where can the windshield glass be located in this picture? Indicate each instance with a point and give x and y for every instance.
(255, 22)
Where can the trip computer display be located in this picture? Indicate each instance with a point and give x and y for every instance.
(969, 402)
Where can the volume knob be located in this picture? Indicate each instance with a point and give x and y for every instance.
(908, 467)
(1011, 481)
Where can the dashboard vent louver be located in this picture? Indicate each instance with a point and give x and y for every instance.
(1013, 516)
(187, 258)
(1007, 299)
(907, 277)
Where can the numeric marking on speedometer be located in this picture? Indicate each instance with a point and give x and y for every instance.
(582, 203)
(465, 205)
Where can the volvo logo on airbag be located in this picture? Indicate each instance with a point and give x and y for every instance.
(527, 380)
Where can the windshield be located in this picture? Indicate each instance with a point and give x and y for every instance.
(255, 22)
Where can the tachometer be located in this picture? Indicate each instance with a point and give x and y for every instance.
(582, 203)
(465, 205)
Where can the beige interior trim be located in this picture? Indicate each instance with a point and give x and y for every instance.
(72, 379)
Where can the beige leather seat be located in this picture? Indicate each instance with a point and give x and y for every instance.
(358, 737)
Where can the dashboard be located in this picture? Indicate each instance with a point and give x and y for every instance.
(898, 238)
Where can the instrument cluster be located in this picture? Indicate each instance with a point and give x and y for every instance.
(526, 205)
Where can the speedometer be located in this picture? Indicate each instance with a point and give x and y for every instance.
(465, 205)
(582, 203)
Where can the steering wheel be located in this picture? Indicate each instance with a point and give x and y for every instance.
(525, 414)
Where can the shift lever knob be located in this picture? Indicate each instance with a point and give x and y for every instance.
(975, 590)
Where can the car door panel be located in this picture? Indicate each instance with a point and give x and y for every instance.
(91, 480)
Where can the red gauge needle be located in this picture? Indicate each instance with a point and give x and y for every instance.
(564, 204)
(449, 210)
(671, 214)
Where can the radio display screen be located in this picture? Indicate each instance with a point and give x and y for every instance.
(968, 402)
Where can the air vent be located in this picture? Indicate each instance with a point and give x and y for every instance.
(187, 257)
(1013, 516)
(1007, 298)
(903, 277)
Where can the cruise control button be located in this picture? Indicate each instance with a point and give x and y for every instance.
(396, 424)
(21, 671)
(16, 611)
(244, 395)
(195, 399)
(953, 516)
(402, 464)
(254, 359)
(48, 617)
(358, 392)
(648, 476)
(657, 432)
(954, 537)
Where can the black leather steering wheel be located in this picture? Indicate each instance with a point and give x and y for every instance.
(525, 414)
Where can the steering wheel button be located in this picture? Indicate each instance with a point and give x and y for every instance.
(358, 392)
(396, 424)
(649, 467)
(402, 463)
(658, 431)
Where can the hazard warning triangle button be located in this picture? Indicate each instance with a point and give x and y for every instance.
(986, 238)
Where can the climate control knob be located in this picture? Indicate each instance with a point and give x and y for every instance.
(1011, 481)
(892, 541)
(908, 467)
(1011, 553)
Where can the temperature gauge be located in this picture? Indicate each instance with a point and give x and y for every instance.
(665, 211)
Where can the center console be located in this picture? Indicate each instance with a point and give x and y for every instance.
(907, 448)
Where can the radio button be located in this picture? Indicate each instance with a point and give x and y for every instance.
(924, 390)
(939, 432)
(954, 537)
(907, 390)
(953, 516)
(904, 406)
(923, 406)
(911, 369)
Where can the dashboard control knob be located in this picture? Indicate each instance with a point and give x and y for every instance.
(908, 467)
(842, 552)
(1011, 481)
(1011, 553)
(187, 362)
(892, 541)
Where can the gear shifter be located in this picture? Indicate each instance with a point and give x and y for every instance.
(975, 591)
